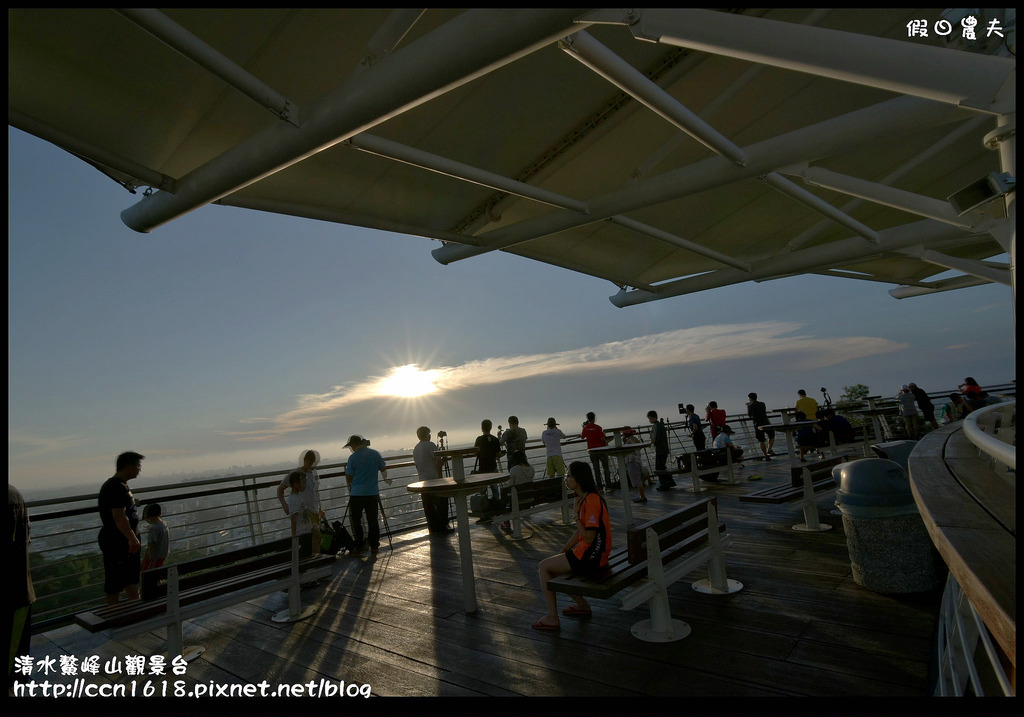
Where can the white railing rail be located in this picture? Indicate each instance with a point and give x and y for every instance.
(963, 669)
(991, 430)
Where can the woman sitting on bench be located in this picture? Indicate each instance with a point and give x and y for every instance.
(587, 551)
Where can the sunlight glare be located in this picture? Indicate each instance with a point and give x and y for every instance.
(408, 382)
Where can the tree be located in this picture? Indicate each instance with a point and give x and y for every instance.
(854, 393)
(851, 399)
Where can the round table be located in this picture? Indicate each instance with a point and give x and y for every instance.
(458, 455)
(789, 428)
(460, 490)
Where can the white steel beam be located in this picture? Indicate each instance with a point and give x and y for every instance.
(748, 76)
(937, 209)
(357, 219)
(442, 165)
(777, 181)
(967, 79)
(143, 176)
(839, 134)
(680, 242)
(967, 266)
(917, 160)
(178, 38)
(825, 256)
(469, 46)
(390, 33)
(957, 282)
(583, 47)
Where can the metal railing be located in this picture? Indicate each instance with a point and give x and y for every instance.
(968, 661)
(992, 429)
(204, 516)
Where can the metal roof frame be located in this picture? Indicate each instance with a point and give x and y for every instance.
(732, 157)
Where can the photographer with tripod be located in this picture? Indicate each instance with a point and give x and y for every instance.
(364, 490)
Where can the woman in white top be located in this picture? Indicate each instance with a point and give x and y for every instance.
(311, 493)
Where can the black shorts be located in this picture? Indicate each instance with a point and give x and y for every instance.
(590, 564)
(760, 435)
(120, 568)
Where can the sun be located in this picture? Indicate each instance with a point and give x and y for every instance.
(408, 382)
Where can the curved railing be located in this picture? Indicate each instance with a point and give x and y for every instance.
(963, 481)
(991, 429)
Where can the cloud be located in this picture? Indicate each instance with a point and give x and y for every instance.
(32, 445)
(643, 353)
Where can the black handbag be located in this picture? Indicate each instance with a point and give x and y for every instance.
(342, 538)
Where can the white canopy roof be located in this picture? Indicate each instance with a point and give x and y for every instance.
(667, 151)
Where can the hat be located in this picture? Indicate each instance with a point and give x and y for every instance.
(727, 428)
(551, 422)
(356, 441)
(905, 387)
(627, 431)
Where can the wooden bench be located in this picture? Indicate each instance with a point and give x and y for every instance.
(813, 478)
(172, 594)
(525, 499)
(657, 554)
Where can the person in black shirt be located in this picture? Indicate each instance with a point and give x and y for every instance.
(119, 536)
(487, 449)
(659, 441)
(758, 412)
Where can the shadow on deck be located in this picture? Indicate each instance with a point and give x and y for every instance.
(800, 627)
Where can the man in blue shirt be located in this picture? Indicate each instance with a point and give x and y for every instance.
(364, 490)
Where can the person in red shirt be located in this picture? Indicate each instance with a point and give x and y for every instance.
(586, 552)
(593, 434)
(716, 418)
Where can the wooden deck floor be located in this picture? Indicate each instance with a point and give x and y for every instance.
(800, 627)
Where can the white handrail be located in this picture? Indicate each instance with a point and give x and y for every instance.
(991, 445)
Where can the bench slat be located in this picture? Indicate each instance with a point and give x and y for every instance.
(280, 549)
(784, 494)
(796, 473)
(636, 536)
(127, 613)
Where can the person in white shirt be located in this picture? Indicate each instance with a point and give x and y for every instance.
(552, 440)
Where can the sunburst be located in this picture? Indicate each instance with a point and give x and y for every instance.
(408, 382)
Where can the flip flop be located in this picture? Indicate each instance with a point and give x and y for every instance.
(577, 610)
(538, 625)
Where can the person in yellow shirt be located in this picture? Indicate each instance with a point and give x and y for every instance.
(806, 405)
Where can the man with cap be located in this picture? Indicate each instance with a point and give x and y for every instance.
(364, 490)
(724, 441)
(552, 440)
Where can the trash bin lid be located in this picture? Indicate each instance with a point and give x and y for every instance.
(874, 482)
(898, 451)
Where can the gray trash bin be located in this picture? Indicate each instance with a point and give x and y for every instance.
(890, 551)
(898, 451)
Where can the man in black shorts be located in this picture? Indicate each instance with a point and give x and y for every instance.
(119, 536)
(759, 413)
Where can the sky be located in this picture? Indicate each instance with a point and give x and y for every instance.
(235, 339)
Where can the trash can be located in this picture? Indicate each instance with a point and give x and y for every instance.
(890, 550)
(898, 451)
